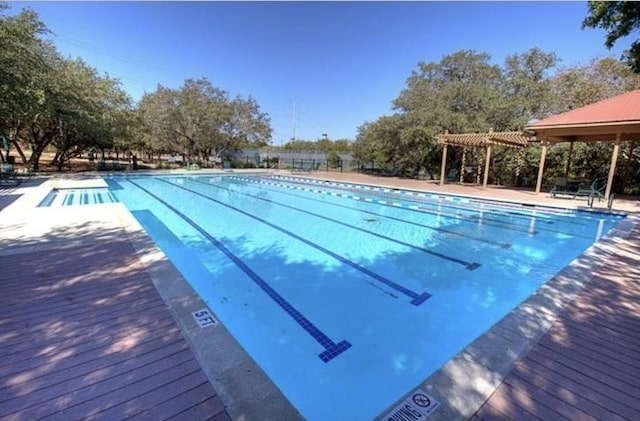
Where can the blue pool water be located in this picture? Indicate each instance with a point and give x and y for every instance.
(350, 296)
(74, 197)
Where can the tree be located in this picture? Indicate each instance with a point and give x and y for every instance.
(619, 19)
(528, 92)
(199, 120)
(395, 142)
(24, 69)
(578, 86)
(92, 112)
(460, 94)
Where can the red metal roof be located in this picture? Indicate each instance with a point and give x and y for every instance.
(621, 108)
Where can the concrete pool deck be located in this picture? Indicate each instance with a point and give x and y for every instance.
(494, 367)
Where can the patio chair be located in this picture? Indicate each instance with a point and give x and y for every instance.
(565, 187)
(596, 189)
(8, 176)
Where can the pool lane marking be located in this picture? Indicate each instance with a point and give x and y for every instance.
(502, 245)
(429, 206)
(450, 203)
(416, 299)
(466, 218)
(331, 348)
(410, 207)
(466, 264)
(429, 197)
(416, 208)
(568, 218)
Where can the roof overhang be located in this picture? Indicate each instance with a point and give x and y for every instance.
(587, 132)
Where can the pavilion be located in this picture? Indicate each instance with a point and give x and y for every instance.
(614, 119)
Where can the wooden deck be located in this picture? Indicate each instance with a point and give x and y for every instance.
(84, 334)
(587, 365)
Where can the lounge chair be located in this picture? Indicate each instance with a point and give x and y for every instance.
(565, 187)
(595, 190)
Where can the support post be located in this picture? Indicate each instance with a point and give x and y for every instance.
(567, 166)
(464, 158)
(543, 156)
(443, 167)
(486, 167)
(612, 168)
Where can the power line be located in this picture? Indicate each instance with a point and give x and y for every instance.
(116, 56)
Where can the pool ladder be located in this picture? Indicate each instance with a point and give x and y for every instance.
(609, 203)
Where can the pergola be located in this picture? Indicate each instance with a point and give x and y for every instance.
(615, 119)
(477, 141)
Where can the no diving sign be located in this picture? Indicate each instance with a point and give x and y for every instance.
(416, 407)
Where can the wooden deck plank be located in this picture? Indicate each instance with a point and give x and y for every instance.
(590, 390)
(587, 366)
(605, 385)
(26, 346)
(509, 403)
(83, 332)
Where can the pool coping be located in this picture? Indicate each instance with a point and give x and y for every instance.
(461, 386)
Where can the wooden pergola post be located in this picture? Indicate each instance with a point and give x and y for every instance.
(486, 168)
(443, 167)
(464, 158)
(543, 156)
(612, 168)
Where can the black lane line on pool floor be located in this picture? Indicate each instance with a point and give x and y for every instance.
(397, 194)
(360, 196)
(568, 217)
(331, 348)
(470, 218)
(467, 265)
(416, 299)
(503, 245)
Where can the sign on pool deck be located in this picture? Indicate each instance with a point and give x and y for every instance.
(418, 406)
(204, 318)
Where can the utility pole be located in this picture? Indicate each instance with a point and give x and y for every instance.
(293, 124)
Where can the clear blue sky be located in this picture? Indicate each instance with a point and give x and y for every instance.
(340, 63)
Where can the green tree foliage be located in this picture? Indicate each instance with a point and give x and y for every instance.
(619, 19)
(321, 145)
(199, 120)
(396, 142)
(462, 93)
(581, 85)
(49, 101)
(527, 91)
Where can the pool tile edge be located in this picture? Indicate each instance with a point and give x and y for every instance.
(464, 383)
(244, 388)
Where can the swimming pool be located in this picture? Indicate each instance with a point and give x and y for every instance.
(349, 296)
